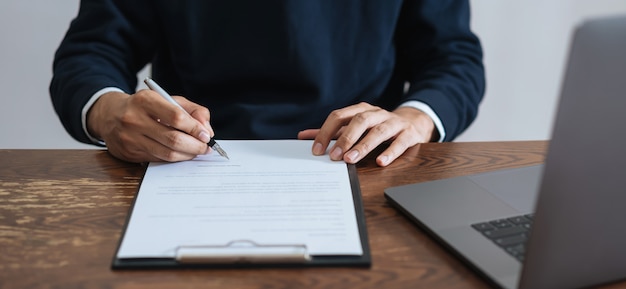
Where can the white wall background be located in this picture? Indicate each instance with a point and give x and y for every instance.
(525, 45)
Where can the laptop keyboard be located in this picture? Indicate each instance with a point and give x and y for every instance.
(510, 234)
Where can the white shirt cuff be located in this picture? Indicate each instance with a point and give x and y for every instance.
(87, 107)
(428, 111)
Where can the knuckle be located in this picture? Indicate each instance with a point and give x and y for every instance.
(414, 135)
(195, 130)
(174, 139)
(168, 155)
(403, 142)
(346, 139)
(178, 117)
(127, 119)
(134, 156)
(381, 129)
(368, 106)
(126, 152)
(336, 114)
(125, 138)
(165, 153)
(159, 152)
(141, 97)
(360, 118)
(365, 147)
(201, 110)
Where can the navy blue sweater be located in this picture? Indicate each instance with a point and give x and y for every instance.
(268, 69)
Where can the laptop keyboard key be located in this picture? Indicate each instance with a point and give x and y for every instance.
(519, 220)
(510, 234)
(512, 240)
(504, 232)
(482, 227)
(517, 251)
(504, 223)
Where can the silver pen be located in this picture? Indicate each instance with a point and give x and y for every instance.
(158, 89)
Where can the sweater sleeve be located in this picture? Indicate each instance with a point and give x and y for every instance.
(442, 60)
(105, 46)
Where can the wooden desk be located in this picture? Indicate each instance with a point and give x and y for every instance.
(62, 213)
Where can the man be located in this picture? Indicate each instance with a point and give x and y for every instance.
(361, 72)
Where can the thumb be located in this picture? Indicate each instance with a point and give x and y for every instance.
(198, 112)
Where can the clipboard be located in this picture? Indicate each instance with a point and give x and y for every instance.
(258, 255)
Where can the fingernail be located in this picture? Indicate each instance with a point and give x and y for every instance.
(383, 160)
(318, 149)
(208, 126)
(336, 154)
(204, 136)
(352, 155)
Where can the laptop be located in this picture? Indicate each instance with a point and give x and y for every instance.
(561, 224)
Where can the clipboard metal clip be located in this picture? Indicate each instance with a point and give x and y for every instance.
(242, 251)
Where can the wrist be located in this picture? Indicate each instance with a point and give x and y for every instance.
(420, 120)
(105, 106)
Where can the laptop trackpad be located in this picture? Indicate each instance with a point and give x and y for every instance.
(516, 187)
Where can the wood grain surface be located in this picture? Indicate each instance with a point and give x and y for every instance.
(62, 213)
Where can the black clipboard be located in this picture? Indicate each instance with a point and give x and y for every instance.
(268, 256)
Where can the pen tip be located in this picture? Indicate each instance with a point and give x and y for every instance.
(223, 153)
(213, 144)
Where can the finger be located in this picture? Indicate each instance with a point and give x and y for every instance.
(397, 147)
(140, 148)
(354, 131)
(312, 133)
(408, 137)
(130, 153)
(308, 134)
(199, 112)
(179, 136)
(159, 152)
(333, 123)
(179, 141)
(162, 139)
(167, 144)
(164, 153)
(132, 134)
(171, 115)
(318, 148)
(171, 139)
(376, 135)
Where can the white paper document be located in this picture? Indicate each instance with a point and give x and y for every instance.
(269, 192)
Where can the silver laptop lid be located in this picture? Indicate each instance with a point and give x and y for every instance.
(579, 237)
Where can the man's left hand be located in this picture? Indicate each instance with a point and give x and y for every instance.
(362, 127)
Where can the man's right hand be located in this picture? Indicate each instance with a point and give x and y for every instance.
(144, 127)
